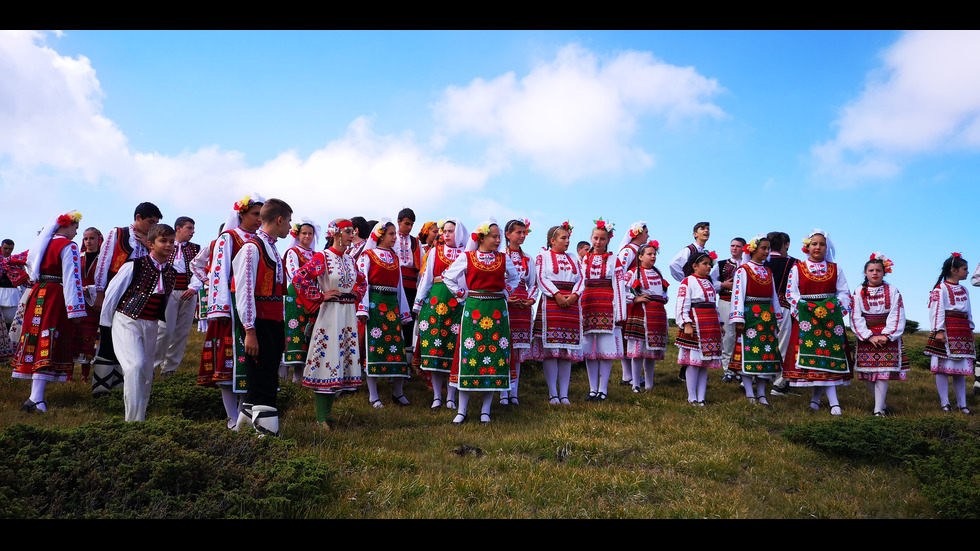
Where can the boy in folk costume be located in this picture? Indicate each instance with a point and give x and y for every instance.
(259, 289)
(725, 276)
(172, 334)
(135, 304)
(223, 342)
(780, 262)
(408, 251)
(122, 244)
(702, 231)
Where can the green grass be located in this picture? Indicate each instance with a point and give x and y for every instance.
(646, 455)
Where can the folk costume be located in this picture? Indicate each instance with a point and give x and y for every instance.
(678, 262)
(384, 309)
(627, 258)
(646, 323)
(408, 251)
(521, 319)
(603, 311)
(121, 245)
(199, 267)
(13, 279)
(696, 304)
(438, 311)
(755, 304)
(780, 267)
(482, 280)
(135, 303)
(172, 333)
(298, 320)
(259, 288)
(44, 348)
(949, 311)
(722, 272)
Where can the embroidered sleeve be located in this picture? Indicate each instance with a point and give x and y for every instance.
(403, 308)
(308, 292)
(292, 264)
(71, 277)
(682, 310)
(737, 314)
(843, 292)
(793, 290)
(531, 279)
(360, 285)
(219, 295)
(545, 272)
(455, 276)
(619, 288)
(114, 292)
(364, 268)
(895, 324)
(199, 267)
(512, 278)
(858, 324)
(776, 307)
(580, 282)
(677, 264)
(105, 260)
(426, 278)
(246, 268)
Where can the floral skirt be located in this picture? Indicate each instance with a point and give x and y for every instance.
(383, 333)
(483, 363)
(438, 330)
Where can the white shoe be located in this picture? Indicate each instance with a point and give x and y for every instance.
(265, 419)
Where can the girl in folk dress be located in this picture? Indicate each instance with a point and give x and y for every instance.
(699, 332)
(646, 323)
(438, 311)
(44, 349)
(628, 257)
(951, 343)
(302, 243)
(428, 237)
(330, 285)
(603, 307)
(755, 313)
(818, 296)
(557, 340)
(383, 310)
(878, 321)
(85, 338)
(519, 304)
(484, 277)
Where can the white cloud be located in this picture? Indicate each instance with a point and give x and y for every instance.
(576, 115)
(925, 99)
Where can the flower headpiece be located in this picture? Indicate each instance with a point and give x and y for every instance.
(712, 254)
(245, 203)
(887, 263)
(752, 244)
(567, 227)
(601, 224)
(482, 229)
(441, 223)
(527, 224)
(379, 230)
(655, 244)
(334, 227)
(955, 255)
(294, 231)
(636, 228)
(69, 218)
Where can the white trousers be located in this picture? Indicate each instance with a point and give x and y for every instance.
(172, 334)
(728, 337)
(135, 342)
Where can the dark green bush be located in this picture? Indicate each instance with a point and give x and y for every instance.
(910, 327)
(163, 468)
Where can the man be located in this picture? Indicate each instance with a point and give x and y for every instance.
(781, 263)
(172, 334)
(724, 275)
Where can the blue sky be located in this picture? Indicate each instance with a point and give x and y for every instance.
(872, 136)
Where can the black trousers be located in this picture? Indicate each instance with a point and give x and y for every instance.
(262, 374)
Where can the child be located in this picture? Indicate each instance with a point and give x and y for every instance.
(182, 302)
(628, 258)
(725, 277)
(646, 324)
(702, 231)
(878, 321)
(135, 301)
(699, 332)
(299, 251)
(259, 289)
(409, 254)
(85, 337)
(603, 308)
(519, 304)
(951, 342)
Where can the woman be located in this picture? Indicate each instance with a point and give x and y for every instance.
(818, 296)
(603, 308)
(303, 239)
(383, 310)
(519, 304)
(44, 350)
(755, 312)
(85, 339)
(646, 323)
(557, 340)
(437, 329)
(878, 321)
(699, 332)
(483, 277)
(951, 345)
(331, 286)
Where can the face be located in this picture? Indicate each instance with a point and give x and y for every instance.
(306, 235)
(346, 237)
(251, 221)
(818, 248)
(761, 252)
(643, 237)
(90, 241)
(162, 247)
(491, 241)
(600, 240)
(703, 267)
(875, 273)
(405, 226)
(517, 235)
(71, 231)
(144, 224)
(702, 234)
(559, 241)
(649, 257)
(387, 240)
(7, 249)
(736, 248)
(961, 273)
(449, 234)
(582, 250)
(185, 233)
(430, 237)
(282, 226)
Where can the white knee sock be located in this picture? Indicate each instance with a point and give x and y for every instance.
(230, 401)
(372, 384)
(551, 376)
(702, 382)
(37, 393)
(959, 389)
(438, 379)
(942, 385)
(881, 390)
(692, 385)
(605, 371)
(592, 368)
(564, 377)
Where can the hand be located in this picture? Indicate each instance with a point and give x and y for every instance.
(188, 294)
(688, 329)
(572, 299)
(641, 299)
(527, 303)
(561, 300)
(99, 299)
(738, 329)
(940, 336)
(332, 293)
(727, 284)
(251, 344)
(878, 340)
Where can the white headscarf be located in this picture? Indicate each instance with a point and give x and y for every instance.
(462, 236)
(829, 257)
(372, 240)
(36, 253)
(631, 232)
(294, 240)
(473, 244)
(234, 218)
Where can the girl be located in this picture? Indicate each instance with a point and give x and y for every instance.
(646, 324)
(603, 306)
(303, 239)
(878, 321)
(756, 314)
(330, 285)
(437, 329)
(628, 257)
(557, 340)
(818, 297)
(383, 309)
(699, 333)
(484, 277)
(428, 237)
(951, 342)
(85, 339)
(519, 304)
(44, 349)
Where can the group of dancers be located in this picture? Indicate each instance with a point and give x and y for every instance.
(465, 309)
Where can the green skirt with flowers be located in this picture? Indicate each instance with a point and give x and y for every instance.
(483, 362)
(383, 333)
(822, 338)
(438, 329)
(298, 324)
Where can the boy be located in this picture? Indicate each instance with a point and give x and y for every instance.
(135, 302)
(172, 334)
(259, 289)
(408, 251)
(724, 276)
(122, 244)
(702, 231)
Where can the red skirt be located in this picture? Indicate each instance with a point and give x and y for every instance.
(44, 351)
(597, 306)
(959, 339)
(520, 321)
(647, 323)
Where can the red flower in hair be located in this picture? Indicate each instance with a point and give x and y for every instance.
(956, 255)
(713, 255)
